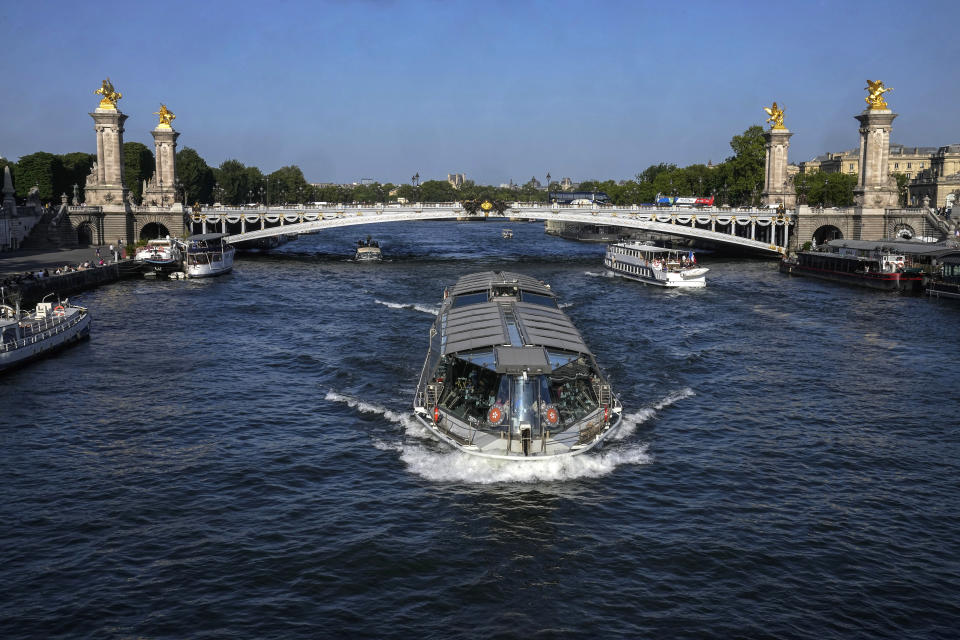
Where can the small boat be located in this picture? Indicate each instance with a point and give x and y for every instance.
(507, 233)
(368, 251)
(674, 268)
(162, 255)
(28, 336)
(507, 375)
(208, 255)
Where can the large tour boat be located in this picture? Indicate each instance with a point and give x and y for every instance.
(655, 265)
(161, 255)
(207, 255)
(508, 376)
(27, 336)
(883, 264)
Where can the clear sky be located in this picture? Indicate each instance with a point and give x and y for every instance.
(495, 90)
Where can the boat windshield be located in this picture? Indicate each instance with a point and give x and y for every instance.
(500, 402)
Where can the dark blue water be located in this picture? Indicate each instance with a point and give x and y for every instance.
(236, 458)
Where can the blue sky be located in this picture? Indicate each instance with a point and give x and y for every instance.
(495, 90)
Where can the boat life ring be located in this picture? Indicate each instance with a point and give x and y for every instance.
(59, 311)
(495, 415)
(606, 413)
(436, 414)
(553, 416)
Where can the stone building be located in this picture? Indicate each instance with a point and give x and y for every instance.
(456, 179)
(939, 180)
(909, 161)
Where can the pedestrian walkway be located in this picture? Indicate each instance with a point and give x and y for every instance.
(24, 260)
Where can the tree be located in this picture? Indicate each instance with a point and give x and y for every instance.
(437, 191)
(41, 169)
(286, 184)
(650, 173)
(138, 165)
(77, 167)
(746, 166)
(195, 175)
(233, 179)
(902, 190)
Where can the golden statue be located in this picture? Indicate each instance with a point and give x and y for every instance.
(110, 97)
(876, 90)
(166, 117)
(776, 116)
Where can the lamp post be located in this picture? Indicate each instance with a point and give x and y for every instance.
(216, 194)
(826, 190)
(261, 195)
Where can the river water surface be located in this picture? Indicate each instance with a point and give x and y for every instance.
(237, 458)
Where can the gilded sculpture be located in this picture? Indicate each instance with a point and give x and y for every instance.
(876, 90)
(776, 116)
(110, 97)
(166, 116)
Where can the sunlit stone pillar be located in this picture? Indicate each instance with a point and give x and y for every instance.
(777, 186)
(876, 188)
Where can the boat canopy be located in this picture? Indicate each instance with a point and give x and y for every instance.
(500, 309)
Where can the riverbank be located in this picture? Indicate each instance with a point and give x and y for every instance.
(20, 273)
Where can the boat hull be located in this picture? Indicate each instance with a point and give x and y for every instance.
(30, 351)
(896, 281)
(672, 280)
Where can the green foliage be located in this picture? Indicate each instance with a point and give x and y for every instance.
(138, 165)
(287, 185)
(195, 176)
(822, 189)
(233, 179)
(436, 191)
(77, 166)
(746, 166)
(41, 169)
(902, 191)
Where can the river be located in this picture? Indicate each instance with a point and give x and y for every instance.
(236, 457)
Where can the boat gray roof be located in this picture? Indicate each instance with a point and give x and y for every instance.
(891, 246)
(205, 236)
(507, 322)
(485, 280)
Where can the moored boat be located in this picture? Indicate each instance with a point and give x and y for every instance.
(507, 233)
(507, 375)
(28, 336)
(885, 265)
(207, 255)
(161, 255)
(673, 268)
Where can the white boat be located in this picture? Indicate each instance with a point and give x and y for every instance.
(655, 265)
(207, 255)
(28, 336)
(368, 251)
(161, 255)
(508, 376)
(507, 233)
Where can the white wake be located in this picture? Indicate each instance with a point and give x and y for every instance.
(416, 307)
(449, 465)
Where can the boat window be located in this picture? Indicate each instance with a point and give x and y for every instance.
(536, 298)
(470, 298)
(481, 358)
(558, 359)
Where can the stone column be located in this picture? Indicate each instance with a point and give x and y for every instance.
(109, 190)
(162, 186)
(876, 188)
(777, 187)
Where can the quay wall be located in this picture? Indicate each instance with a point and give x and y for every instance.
(33, 290)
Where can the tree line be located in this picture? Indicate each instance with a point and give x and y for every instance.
(738, 180)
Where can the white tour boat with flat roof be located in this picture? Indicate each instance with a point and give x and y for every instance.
(27, 336)
(161, 255)
(655, 265)
(508, 376)
(207, 255)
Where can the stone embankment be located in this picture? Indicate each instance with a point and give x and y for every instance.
(33, 276)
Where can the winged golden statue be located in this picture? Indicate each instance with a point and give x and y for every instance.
(166, 116)
(876, 90)
(776, 116)
(110, 97)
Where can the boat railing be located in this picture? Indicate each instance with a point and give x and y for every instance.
(46, 330)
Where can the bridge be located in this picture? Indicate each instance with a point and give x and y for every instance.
(760, 231)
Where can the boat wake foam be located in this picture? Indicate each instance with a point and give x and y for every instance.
(448, 465)
(633, 420)
(416, 307)
(602, 274)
